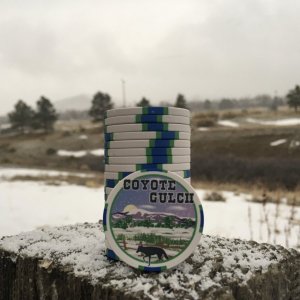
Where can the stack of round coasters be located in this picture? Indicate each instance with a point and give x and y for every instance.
(145, 139)
(153, 220)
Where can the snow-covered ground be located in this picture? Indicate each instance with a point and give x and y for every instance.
(80, 153)
(26, 205)
(280, 122)
(278, 142)
(228, 123)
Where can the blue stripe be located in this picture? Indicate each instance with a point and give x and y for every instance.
(152, 269)
(108, 137)
(187, 174)
(155, 110)
(104, 216)
(159, 151)
(111, 183)
(111, 254)
(148, 118)
(162, 143)
(160, 160)
(170, 135)
(155, 127)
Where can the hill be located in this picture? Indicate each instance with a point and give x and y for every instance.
(78, 102)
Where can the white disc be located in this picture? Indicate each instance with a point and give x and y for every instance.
(148, 111)
(133, 119)
(147, 167)
(142, 135)
(147, 127)
(147, 144)
(148, 152)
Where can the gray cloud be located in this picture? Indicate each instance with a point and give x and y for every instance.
(205, 49)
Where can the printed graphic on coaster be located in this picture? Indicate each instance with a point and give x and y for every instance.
(153, 220)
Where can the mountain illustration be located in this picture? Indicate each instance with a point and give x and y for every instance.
(141, 214)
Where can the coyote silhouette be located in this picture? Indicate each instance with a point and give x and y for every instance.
(149, 251)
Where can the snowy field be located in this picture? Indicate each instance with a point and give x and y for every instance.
(26, 205)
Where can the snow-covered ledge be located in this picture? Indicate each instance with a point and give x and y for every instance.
(69, 263)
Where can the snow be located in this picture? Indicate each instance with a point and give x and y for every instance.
(228, 123)
(281, 122)
(9, 173)
(278, 142)
(96, 152)
(216, 262)
(202, 129)
(27, 205)
(5, 126)
(83, 137)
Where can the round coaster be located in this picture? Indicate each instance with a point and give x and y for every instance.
(153, 221)
(147, 127)
(131, 119)
(147, 167)
(148, 144)
(147, 135)
(125, 160)
(158, 110)
(148, 152)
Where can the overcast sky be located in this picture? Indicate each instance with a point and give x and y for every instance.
(204, 49)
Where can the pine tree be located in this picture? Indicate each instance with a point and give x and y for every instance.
(46, 115)
(100, 104)
(180, 101)
(22, 116)
(143, 103)
(294, 97)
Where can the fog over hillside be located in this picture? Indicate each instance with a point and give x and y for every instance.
(78, 102)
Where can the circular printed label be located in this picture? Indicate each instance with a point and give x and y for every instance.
(153, 220)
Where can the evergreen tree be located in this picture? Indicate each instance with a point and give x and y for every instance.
(180, 101)
(207, 104)
(293, 97)
(22, 116)
(143, 103)
(100, 104)
(46, 115)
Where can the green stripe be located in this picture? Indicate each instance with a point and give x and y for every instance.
(170, 158)
(144, 126)
(172, 143)
(149, 159)
(177, 135)
(145, 110)
(151, 143)
(159, 119)
(165, 126)
(158, 135)
(141, 268)
(104, 227)
(163, 268)
(169, 151)
(166, 110)
(148, 151)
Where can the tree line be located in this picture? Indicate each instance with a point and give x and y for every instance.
(44, 115)
(24, 117)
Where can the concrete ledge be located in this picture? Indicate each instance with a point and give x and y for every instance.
(69, 263)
